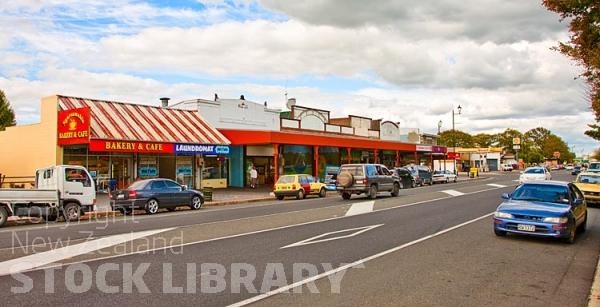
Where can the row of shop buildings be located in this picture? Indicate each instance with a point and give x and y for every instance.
(204, 143)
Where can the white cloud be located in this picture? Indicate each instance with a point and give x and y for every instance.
(398, 60)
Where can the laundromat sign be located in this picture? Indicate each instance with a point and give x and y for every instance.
(191, 149)
(131, 146)
(74, 126)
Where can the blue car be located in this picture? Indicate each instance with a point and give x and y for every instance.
(542, 208)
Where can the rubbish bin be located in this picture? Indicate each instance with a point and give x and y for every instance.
(208, 193)
(473, 172)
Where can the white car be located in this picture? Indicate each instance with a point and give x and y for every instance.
(535, 173)
(507, 167)
(443, 176)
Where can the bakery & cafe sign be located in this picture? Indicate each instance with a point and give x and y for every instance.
(74, 126)
(131, 146)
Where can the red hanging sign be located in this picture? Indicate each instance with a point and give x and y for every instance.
(74, 126)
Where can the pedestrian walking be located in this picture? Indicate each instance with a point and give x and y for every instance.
(253, 177)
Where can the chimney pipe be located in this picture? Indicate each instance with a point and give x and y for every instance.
(164, 101)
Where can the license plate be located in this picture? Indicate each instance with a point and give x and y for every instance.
(120, 196)
(526, 227)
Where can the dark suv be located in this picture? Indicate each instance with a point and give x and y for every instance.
(366, 178)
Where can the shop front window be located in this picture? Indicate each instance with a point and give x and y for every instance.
(215, 168)
(184, 170)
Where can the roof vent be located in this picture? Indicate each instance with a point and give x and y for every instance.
(164, 102)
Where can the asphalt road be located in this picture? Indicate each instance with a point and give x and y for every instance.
(429, 246)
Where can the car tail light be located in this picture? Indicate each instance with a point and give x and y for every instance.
(132, 194)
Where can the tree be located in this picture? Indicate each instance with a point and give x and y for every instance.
(584, 46)
(485, 140)
(7, 115)
(455, 138)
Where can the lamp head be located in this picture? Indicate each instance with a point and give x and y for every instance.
(459, 108)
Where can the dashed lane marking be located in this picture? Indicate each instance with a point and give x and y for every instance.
(453, 192)
(496, 185)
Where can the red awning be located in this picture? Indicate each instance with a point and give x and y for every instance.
(134, 122)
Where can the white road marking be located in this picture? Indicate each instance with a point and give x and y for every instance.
(453, 192)
(496, 185)
(356, 232)
(262, 230)
(353, 264)
(360, 208)
(38, 260)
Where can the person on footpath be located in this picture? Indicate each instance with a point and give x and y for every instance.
(253, 177)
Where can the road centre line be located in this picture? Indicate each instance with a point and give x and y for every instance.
(496, 185)
(257, 231)
(353, 264)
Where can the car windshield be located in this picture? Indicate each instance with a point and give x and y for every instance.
(589, 179)
(534, 171)
(286, 179)
(546, 193)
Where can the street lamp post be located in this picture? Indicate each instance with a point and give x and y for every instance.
(459, 109)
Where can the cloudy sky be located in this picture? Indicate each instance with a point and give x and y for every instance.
(405, 61)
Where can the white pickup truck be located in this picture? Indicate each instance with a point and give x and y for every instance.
(66, 190)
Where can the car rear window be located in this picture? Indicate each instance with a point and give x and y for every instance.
(286, 179)
(355, 170)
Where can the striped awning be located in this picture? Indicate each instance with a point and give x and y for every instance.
(134, 122)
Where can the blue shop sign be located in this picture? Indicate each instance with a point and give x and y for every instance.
(204, 149)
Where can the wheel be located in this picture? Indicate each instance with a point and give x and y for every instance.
(500, 233)
(196, 202)
(152, 206)
(454, 179)
(300, 194)
(395, 190)
(322, 192)
(372, 192)
(413, 184)
(171, 209)
(571, 236)
(3, 216)
(345, 179)
(71, 212)
(280, 197)
(346, 195)
(447, 180)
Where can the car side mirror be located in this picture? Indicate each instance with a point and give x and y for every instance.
(578, 201)
(184, 187)
(505, 196)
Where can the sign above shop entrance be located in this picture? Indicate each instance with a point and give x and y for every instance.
(74, 126)
(190, 149)
(130, 146)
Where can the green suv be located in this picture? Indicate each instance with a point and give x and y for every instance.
(366, 178)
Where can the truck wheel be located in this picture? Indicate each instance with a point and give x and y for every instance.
(372, 192)
(3, 216)
(71, 212)
(396, 190)
(345, 179)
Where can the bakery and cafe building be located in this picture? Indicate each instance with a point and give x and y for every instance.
(118, 143)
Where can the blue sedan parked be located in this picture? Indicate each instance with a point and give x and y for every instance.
(542, 208)
(154, 194)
